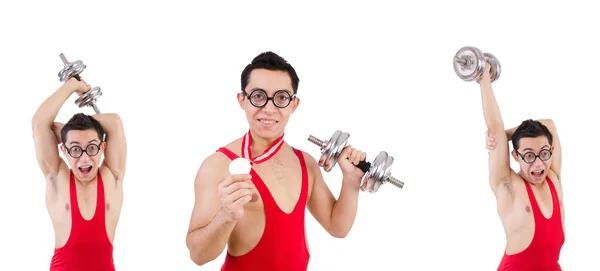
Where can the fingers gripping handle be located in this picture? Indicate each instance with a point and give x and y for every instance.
(364, 166)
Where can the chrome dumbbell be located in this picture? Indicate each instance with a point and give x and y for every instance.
(74, 69)
(376, 173)
(469, 64)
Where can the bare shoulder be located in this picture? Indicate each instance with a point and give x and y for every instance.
(311, 162)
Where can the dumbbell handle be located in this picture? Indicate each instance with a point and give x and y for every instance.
(64, 60)
(363, 165)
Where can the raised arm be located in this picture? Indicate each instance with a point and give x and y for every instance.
(43, 128)
(115, 154)
(499, 158)
(219, 202)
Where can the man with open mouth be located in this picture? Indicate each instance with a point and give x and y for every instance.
(529, 202)
(83, 195)
(259, 213)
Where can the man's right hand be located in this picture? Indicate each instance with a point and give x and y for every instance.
(79, 86)
(234, 192)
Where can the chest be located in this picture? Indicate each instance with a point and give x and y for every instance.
(282, 179)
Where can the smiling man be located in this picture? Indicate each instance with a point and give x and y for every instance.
(83, 195)
(260, 216)
(529, 202)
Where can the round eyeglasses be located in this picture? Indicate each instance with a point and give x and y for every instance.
(529, 157)
(259, 98)
(77, 151)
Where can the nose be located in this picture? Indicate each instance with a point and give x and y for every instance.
(84, 157)
(538, 162)
(269, 107)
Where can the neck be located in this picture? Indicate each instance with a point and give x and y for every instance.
(259, 145)
(86, 185)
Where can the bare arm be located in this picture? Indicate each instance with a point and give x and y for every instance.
(335, 216)
(556, 153)
(43, 134)
(115, 154)
(209, 228)
(499, 159)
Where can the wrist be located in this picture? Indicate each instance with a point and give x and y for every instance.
(351, 183)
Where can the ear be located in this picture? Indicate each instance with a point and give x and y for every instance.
(241, 98)
(63, 149)
(552, 149)
(295, 104)
(514, 155)
(103, 145)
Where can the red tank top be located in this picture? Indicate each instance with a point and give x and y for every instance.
(283, 244)
(544, 250)
(88, 247)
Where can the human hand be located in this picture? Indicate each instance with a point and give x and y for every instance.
(348, 161)
(234, 192)
(490, 141)
(485, 76)
(79, 87)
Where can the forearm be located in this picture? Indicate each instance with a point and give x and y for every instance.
(48, 110)
(344, 209)
(546, 122)
(206, 244)
(111, 123)
(491, 110)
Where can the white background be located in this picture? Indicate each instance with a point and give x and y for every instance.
(382, 73)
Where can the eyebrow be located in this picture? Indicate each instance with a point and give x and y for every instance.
(530, 149)
(77, 142)
(287, 90)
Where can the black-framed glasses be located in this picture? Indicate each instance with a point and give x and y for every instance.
(259, 98)
(77, 151)
(529, 157)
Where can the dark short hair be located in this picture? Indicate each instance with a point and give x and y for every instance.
(530, 128)
(270, 61)
(81, 122)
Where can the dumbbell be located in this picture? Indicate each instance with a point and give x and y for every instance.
(74, 69)
(376, 173)
(469, 64)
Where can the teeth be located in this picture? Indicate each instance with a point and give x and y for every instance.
(267, 121)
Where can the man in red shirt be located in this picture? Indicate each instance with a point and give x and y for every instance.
(260, 216)
(529, 202)
(83, 197)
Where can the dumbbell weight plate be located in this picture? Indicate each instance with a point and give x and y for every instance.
(89, 98)
(474, 66)
(71, 69)
(334, 148)
(495, 68)
(380, 170)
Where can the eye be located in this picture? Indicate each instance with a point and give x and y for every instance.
(76, 150)
(545, 154)
(92, 148)
(529, 156)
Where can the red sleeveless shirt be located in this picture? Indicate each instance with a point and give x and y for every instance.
(544, 250)
(283, 243)
(88, 247)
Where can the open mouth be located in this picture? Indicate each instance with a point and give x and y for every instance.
(85, 170)
(538, 173)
